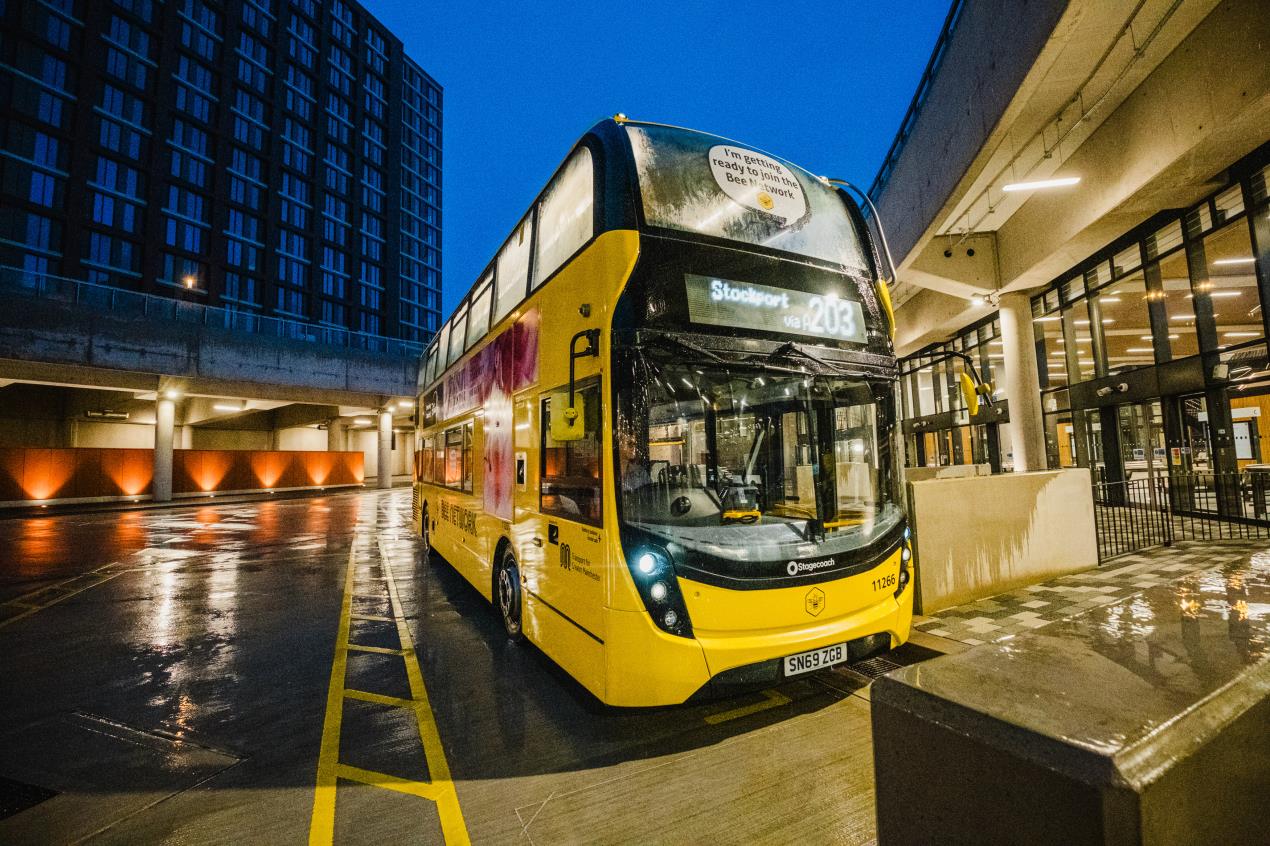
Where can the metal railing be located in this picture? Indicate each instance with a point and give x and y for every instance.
(1131, 516)
(125, 303)
(1198, 505)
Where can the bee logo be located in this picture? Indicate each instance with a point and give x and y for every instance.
(815, 601)
(765, 200)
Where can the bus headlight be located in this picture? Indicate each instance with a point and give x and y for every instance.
(906, 557)
(654, 578)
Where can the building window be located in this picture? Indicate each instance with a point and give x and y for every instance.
(44, 189)
(1224, 283)
(121, 139)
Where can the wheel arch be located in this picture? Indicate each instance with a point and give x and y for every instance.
(500, 549)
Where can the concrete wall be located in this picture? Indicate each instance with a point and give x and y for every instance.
(78, 344)
(230, 439)
(980, 536)
(990, 53)
(366, 441)
(31, 475)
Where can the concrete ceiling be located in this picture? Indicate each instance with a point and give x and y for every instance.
(1148, 103)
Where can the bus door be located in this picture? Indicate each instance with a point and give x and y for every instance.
(529, 532)
(570, 577)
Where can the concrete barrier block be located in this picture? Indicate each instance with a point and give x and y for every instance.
(1142, 722)
(983, 535)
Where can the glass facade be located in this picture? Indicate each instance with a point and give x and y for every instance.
(272, 156)
(1151, 357)
(939, 431)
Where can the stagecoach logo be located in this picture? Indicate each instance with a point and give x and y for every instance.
(815, 601)
(796, 567)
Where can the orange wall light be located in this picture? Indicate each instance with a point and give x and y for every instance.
(268, 467)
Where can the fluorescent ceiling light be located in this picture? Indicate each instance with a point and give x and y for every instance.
(1241, 334)
(1049, 319)
(1245, 260)
(1224, 293)
(1060, 182)
(1139, 349)
(361, 421)
(224, 406)
(1109, 300)
(1182, 317)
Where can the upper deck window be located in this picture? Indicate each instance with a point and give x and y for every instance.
(700, 183)
(566, 219)
(478, 317)
(458, 324)
(513, 268)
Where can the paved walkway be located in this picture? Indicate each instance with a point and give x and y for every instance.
(1037, 605)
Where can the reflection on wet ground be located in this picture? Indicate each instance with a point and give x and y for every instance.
(172, 672)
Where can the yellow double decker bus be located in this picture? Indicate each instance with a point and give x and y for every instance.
(660, 434)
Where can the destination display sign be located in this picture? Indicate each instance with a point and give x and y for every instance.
(723, 302)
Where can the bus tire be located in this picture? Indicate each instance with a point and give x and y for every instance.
(425, 532)
(507, 594)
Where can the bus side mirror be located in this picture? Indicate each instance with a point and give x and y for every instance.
(567, 423)
(969, 394)
(884, 294)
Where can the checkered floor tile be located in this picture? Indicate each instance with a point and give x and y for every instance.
(1038, 605)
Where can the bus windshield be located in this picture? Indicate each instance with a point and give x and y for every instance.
(753, 464)
(700, 183)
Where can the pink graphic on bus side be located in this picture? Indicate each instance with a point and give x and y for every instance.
(488, 379)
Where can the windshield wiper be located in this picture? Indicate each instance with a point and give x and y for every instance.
(664, 341)
(789, 347)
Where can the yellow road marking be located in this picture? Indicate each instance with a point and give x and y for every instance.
(378, 698)
(389, 782)
(378, 650)
(773, 699)
(322, 825)
(452, 825)
(440, 789)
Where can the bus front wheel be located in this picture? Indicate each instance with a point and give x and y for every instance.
(507, 594)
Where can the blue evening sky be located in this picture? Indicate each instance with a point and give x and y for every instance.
(823, 84)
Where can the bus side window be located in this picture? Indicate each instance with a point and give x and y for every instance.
(438, 461)
(467, 457)
(453, 457)
(570, 470)
(425, 460)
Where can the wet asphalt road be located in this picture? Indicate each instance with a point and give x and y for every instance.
(170, 675)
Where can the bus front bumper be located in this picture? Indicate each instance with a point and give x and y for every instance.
(671, 670)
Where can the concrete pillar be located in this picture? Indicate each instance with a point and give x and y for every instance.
(275, 439)
(385, 449)
(1022, 384)
(336, 438)
(164, 418)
